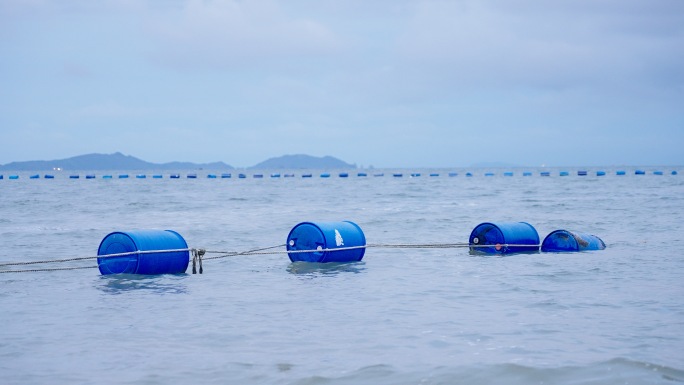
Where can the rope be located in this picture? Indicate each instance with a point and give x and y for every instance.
(198, 254)
(96, 257)
(53, 269)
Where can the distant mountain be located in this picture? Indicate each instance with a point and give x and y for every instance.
(303, 161)
(116, 161)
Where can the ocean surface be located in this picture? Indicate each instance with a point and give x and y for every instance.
(400, 316)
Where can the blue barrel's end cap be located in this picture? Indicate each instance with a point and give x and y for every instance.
(116, 243)
(306, 236)
(560, 241)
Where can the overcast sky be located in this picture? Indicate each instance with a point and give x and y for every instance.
(388, 83)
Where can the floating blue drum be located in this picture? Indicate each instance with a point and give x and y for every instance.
(564, 241)
(504, 238)
(326, 235)
(167, 261)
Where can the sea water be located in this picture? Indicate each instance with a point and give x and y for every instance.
(400, 316)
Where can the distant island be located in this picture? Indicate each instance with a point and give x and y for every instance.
(291, 162)
(119, 161)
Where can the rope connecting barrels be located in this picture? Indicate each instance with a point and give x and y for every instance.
(198, 255)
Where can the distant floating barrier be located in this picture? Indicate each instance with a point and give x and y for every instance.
(307, 236)
(504, 238)
(567, 241)
(580, 173)
(167, 253)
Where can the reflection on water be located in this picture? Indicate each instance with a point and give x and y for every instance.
(325, 269)
(161, 284)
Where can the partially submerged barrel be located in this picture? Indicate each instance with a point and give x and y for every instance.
(324, 236)
(163, 246)
(568, 241)
(504, 238)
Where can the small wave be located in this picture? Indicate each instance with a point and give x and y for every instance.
(615, 371)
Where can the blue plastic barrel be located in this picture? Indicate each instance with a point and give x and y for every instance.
(564, 241)
(163, 262)
(504, 238)
(326, 235)
(620, 172)
(600, 173)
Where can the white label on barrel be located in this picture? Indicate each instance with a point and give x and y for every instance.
(338, 238)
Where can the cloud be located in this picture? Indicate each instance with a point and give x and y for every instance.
(548, 44)
(233, 34)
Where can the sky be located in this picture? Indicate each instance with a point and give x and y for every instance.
(383, 83)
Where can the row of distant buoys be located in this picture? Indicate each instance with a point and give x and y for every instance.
(166, 252)
(327, 175)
